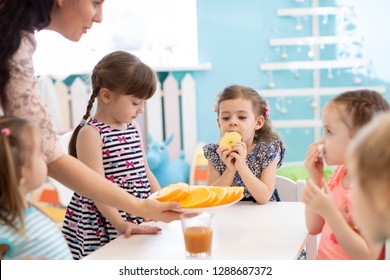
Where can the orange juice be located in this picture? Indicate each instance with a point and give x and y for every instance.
(198, 239)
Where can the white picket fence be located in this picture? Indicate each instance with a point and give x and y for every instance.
(172, 110)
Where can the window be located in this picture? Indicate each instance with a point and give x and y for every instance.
(160, 32)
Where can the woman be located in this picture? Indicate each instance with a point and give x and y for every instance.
(19, 94)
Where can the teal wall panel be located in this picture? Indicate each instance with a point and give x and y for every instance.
(233, 35)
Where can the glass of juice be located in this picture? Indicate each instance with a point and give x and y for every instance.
(198, 233)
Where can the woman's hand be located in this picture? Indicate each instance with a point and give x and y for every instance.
(153, 209)
(314, 163)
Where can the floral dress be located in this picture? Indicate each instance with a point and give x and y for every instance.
(259, 159)
(85, 228)
(25, 100)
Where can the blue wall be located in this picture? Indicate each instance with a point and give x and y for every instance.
(233, 35)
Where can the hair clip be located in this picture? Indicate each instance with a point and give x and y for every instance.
(267, 109)
(83, 122)
(6, 131)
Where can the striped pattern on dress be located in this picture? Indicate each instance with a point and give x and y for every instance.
(41, 240)
(85, 228)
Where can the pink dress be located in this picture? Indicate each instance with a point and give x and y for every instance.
(25, 100)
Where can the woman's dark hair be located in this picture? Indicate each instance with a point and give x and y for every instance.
(122, 73)
(17, 16)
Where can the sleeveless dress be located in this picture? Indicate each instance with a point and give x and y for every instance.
(259, 159)
(85, 228)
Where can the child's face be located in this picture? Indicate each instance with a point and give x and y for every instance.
(125, 108)
(34, 172)
(336, 136)
(237, 115)
(373, 222)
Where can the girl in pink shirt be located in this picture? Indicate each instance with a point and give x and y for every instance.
(328, 207)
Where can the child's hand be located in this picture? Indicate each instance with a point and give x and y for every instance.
(314, 163)
(130, 228)
(239, 153)
(227, 159)
(320, 200)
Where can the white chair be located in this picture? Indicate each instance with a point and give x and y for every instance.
(64, 194)
(288, 189)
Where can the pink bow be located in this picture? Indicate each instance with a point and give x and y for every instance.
(267, 109)
(6, 131)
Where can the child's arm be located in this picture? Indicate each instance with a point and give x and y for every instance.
(89, 151)
(214, 178)
(314, 222)
(355, 245)
(154, 184)
(260, 188)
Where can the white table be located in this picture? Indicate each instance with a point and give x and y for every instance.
(275, 231)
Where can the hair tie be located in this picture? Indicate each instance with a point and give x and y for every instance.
(267, 109)
(6, 131)
(216, 107)
(83, 122)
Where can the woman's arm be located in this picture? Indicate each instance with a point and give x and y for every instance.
(77, 176)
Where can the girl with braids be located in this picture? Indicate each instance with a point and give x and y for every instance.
(19, 94)
(328, 207)
(25, 232)
(110, 143)
(253, 162)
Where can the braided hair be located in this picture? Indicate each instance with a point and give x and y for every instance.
(358, 107)
(122, 73)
